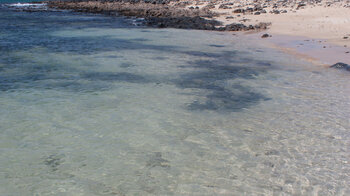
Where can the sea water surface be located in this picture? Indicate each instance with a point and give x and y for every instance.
(94, 105)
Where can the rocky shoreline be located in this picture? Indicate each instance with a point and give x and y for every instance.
(318, 29)
(157, 13)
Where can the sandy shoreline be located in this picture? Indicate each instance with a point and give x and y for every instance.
(318, 31)
(317, 51)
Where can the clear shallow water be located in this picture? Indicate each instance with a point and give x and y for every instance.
(90, 105)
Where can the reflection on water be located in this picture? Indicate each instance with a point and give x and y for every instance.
(92, 106)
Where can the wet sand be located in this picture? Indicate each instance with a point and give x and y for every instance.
(317, 51)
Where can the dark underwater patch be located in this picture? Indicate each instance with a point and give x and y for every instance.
(216, 46)
(115, 77)
(210, 76)
(54, 161)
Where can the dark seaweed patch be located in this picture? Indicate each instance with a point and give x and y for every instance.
(54, 161)
(116, 77)
(210, 75)
(126, 65)
(156, 160)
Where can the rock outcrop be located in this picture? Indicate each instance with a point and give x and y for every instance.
(157, 13)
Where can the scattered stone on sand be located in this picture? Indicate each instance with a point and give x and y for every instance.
(341, 65)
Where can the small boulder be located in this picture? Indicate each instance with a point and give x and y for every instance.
(265, 35)
(341, 65)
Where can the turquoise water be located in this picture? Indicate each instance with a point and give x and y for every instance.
(92, 105)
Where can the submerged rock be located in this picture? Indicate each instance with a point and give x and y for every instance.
(341, 65)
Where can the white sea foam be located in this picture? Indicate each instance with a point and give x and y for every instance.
(26, 4)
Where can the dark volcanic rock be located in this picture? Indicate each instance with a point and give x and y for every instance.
(341, 65)
(265, 35)
(301, 5)
(235, 27)
(242, 27)
(237, 11)
(183, 23)
(275, 11)
(249, 9)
